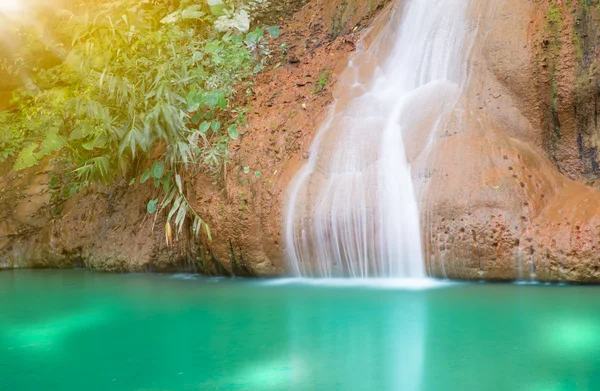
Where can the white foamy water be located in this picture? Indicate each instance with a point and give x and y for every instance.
(394, 284)
(352, 210)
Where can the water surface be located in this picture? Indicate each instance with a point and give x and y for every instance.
(76, 330)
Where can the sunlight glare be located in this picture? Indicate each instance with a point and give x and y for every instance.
(10, 6)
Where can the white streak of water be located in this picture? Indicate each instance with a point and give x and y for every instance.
(395, 284)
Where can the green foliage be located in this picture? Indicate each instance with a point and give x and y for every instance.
(274, 32)
(321, 82)
(151, 207)
(137, 84)
(554, 15)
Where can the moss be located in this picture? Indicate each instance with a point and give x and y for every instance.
(554, 15)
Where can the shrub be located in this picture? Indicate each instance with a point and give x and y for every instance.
(137, 84)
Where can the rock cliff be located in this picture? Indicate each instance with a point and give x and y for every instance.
(510, 191)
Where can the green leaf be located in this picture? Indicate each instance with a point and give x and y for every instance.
(192, 12)
(194, 100)
(198, 56)
(222, 103)
(167, 200)
(167, 182)
(196, 118)
(205, 126)
(207, 231)
(152, 204)
(89, 145)
(81, 131)
(257, 174)
(217, 8)
(132, 182)
(216, 99)
(26, 158)
(216, 125)
(246, 170)
(175, 207)
(51, 143)
(180, 218)
(171, 18)
(158, 169)
(274, 32)
(179, 184)
(197, 225)
(95, 169)
(233, 132)
(145, 176)
(213, 47)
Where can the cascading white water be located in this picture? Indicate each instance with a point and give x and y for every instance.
(352, 209)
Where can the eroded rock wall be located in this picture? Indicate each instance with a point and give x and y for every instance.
(508, 198)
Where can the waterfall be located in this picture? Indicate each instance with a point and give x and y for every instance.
(352, 210)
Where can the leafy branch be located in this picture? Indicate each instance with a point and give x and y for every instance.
(134, 84)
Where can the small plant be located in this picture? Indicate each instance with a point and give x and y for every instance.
(321, 82)
(283, 50)
(258, 44)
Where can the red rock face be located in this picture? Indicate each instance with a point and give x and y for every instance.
(495, 209)
(499, 204)
(502, 198)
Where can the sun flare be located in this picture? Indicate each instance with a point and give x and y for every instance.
(10, 6)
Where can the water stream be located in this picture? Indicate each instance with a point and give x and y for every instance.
(352, 210)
